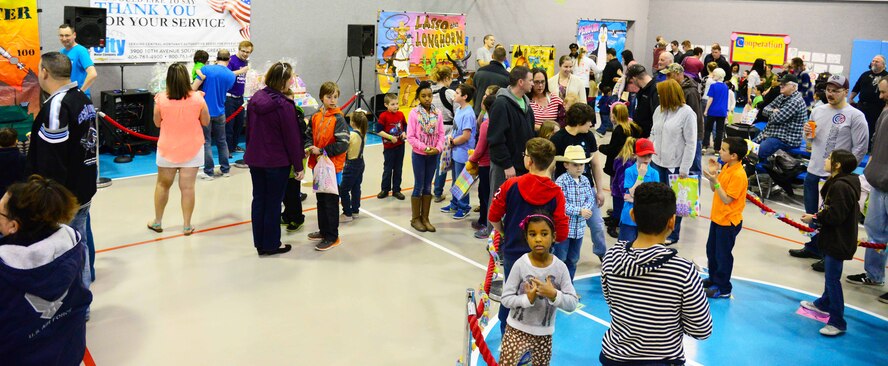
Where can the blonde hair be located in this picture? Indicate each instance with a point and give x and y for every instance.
(671, 95)
(628, 150)
(443, 72)
(570, 99)
(620, 115)
(547, 129)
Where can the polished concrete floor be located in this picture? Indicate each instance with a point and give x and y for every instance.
(386, 296)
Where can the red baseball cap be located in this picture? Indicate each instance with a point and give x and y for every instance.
(644, 147)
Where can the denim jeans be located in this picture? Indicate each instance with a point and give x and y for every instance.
(812, 201)
(769, 146)
(597, 229)
(713, 127)
(215, 132)
(91, 245)
(876, 225)
(697, 165)
(350, 188)
(504, 311)
(293, 203)
(718, 254)
(606, 123)
(423, 173)
(833, 300)
(269, 185)
(392, 167)
(483, 193)
(664, 178)
(233, 128)
(463, 203)
(79, 224)
(628, 233)
(568, 252)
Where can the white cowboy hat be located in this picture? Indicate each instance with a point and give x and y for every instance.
(574, 154)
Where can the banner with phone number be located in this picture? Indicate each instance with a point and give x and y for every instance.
(19, 54)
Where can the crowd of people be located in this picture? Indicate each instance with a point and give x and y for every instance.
(526, 137)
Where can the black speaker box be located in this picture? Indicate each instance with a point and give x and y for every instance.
(361, 40)
(88, 23)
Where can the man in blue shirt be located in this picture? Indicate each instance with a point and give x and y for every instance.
(216, 80)
(83, 72)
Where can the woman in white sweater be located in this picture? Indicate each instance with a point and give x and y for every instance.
(565, 82)
(674, 134)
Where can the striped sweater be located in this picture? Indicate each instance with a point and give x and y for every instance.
(655, 297)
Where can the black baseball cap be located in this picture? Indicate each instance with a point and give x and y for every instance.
(573, 46)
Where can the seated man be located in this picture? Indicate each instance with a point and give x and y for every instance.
(786, 118)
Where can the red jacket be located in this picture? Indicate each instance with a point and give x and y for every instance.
(519, 197)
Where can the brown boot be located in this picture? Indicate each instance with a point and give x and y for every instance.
(416, 221)
(426, 206)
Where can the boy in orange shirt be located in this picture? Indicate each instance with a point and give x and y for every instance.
(728, 202)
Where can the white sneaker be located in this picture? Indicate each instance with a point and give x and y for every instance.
(831, 331)
(226, 175)
(344, 219)
(810, 306)
(204, 176)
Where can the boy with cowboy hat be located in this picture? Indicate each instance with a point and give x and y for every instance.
(579, 203)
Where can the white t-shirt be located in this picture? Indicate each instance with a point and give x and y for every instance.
(483, 54)
(585, 66)
(752, 81)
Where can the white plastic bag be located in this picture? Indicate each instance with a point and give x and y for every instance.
(325, 176)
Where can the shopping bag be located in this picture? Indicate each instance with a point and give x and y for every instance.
(325, 176)
(446, 158)
(687, 193)
(463, 184)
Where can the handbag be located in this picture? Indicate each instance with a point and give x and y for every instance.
(463, 184)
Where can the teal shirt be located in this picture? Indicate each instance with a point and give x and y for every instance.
(629, 179)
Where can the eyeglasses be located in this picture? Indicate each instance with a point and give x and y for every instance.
(539, 82)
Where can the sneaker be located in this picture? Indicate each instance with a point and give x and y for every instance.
(240, 164)
(239, 149)
(811, 307)
(226, 174)
(819, 266)
(670, 242)
(205, 176)
(382, 194)
(477, 226)
(345, 218)
(461, 214)
(496, 290)
(440, 198)
(714, 293)
(294, 227)
(326, 245)
(448, 209)
(356, 215)
(303, 196)
(476, 209)
(315, 236)
(707, 283)
(614, 232)
(884, 298)
(802, 253)
(862, 279)
(398, 195)
(831, 331)
(482, 234)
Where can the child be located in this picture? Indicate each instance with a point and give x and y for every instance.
(425, 133)
(201, 58)
(532, 191)
(655, 297)
(292, 216)
(604, 107)
(579, 202)
(727, 214)
(838, 236)
(327, 133)
(537, 285)
(11, 159)
(353, 171)
(547, 129)
(479, 163)
(570, 99)
(636, 174)
(624, 160)
(393, 132)
(624, 129)
(759, 95)
(462, 138)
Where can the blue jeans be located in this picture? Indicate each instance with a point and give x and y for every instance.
(696, 166)
(504, 311)
(440, 177)
(215, 132)
(628, 233)
(392, 166)
(596, 228)
(233, 128)
(606, 123)
(718, 254)
(269, 185)
(812, 201)
(463, 203)
(79, 224)
(350, 188)
(568, 252)
(833, 300)
(618, 203)
(91, 245)
(876, 225)
(769, 146)
(423, 173)
(664, 178)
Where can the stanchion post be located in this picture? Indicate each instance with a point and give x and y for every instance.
(101, 182)
(470, 310)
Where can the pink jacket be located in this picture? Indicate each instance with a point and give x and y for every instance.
(481, 156)
(419, 139)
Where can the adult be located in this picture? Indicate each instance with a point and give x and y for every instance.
(493, 74)
(674, 48)
(484, 54)
(692, 64)
(735, 75)
(754, 79)
(238, 64)
(612, 71)
(63, 141)
(545, 105)
(647, 100)
(180, 114)
(691, 91)
(659, 49)
(876, 223)
(275, 132)
(664, 61)
(44, 303)
(867, 89)
(787, 115)
(716, 110)
(797, 67)
(566, 83)
(586, 69)
(574, 51)
(216, 81)
(511, 125)
(674, 135)
(686, 51)
(839, 126)
(442, 99)
(717, 57)
(83, 70)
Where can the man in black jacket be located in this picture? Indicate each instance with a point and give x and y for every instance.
(492, 74)
(717, 57)
(647, 100)
(511, 125)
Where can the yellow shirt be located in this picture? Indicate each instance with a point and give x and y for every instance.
(733, 180)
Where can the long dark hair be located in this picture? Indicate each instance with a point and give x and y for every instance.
(39, 205)
(759, 67)
(178, 82)
(533, 73)
(627, 57)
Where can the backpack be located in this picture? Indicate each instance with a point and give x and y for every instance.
(743, 93)
(783, 169)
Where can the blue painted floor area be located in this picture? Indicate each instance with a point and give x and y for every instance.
(758, 326)
(146, 164)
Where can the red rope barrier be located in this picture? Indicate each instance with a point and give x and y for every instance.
(349, 102)
(479, 341)
(127, 130)
(236, 112)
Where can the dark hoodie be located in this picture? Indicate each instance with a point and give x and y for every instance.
(509, 130)
(691, 91)
(839, 216)
(42, 316)
(655, 297)
(517, 198)
(275, 131)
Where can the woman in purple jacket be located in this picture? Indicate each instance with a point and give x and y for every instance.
(275, 135)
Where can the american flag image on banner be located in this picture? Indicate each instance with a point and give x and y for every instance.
(239, 10)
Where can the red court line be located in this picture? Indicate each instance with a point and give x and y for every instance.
(87, 358)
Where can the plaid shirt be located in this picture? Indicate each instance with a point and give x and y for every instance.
(787, 123)
(577, 196)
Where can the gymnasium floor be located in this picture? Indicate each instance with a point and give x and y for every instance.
(391, 296)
